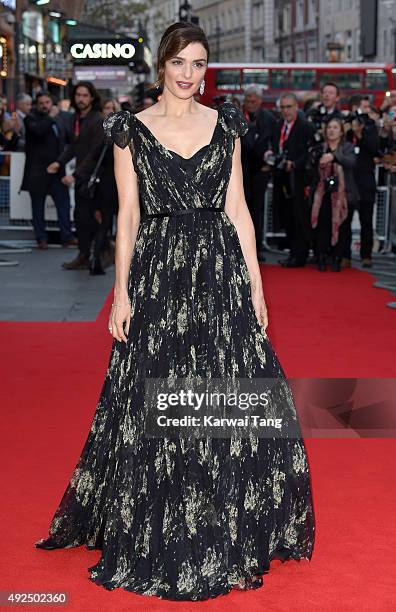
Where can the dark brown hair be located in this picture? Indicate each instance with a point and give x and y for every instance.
(331, 84)
(340, 123)
(176, 38)
(96, 99)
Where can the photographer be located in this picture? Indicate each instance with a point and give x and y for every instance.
(362, 132)
(388, 148)
(320, 113)
(287, 157)
(254, 144)
(334, 190)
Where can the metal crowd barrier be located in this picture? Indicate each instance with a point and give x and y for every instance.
(381, 215)
(15, 206)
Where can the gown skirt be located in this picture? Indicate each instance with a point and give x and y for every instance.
(186, 517)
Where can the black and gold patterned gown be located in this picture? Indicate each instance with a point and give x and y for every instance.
(185, 519)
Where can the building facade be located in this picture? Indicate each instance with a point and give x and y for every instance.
(41, 53)
(339, 31)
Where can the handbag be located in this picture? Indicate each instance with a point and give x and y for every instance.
(88, 188)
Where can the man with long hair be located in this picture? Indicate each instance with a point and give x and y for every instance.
(87, 133)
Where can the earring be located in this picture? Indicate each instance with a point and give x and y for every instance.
(202, 87)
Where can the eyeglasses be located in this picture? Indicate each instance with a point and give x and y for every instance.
(286, 106)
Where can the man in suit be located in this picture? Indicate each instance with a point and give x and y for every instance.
(23, 104)
(46, 138)
(87, 136)
(253, 146)
(290, 143)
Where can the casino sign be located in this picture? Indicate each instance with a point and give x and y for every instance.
(115, 51)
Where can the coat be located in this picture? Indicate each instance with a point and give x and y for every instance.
(46, 138)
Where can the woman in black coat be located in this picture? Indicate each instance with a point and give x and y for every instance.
(333, 189)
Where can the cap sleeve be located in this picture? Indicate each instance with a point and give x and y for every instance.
(234, 120)
(117, 128)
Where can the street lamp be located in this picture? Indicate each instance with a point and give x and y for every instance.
(185, 11)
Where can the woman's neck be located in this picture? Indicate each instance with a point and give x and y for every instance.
(170, 105)
(333, 144)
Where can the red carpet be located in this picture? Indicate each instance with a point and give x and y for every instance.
(321, 325)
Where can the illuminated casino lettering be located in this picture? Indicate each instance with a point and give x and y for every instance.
(102, 50)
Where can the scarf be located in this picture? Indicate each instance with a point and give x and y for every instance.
(338, 199)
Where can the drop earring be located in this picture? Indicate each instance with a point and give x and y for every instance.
(202, 87)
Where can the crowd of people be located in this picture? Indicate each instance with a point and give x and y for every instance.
(51, 135)
(321, 159)
(322, 162)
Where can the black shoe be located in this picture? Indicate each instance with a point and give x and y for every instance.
(293, 263)
(336, 264)
(321, 265)
(96, 268)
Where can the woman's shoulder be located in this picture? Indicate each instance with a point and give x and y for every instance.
(232, 119)
(118, 127)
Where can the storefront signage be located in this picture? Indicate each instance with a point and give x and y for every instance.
(112, 51)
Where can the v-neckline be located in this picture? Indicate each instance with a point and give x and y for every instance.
(207, 146)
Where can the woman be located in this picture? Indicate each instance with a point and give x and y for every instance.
(179, 516)
(333, 187)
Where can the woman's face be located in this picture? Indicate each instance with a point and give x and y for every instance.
(185, 71)
(333, 130)
(108, 108)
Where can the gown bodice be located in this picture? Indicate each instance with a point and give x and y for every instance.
(167, 181)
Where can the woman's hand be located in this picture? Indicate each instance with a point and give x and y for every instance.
(259, 306)
(326, 158)
(120, 314)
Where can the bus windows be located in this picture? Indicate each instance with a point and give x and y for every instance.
(254, 76)
(228, 79)
(344, 80)
(280, 79)
(303, 79)
(376, 79)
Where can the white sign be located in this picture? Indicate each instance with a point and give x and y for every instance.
(102, 50)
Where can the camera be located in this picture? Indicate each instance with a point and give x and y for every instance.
(316, 116)
(362, 118)
(331, 184)
(277, 162)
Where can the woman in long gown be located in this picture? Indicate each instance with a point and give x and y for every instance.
(185, 518)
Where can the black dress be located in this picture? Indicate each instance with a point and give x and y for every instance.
(186, 518)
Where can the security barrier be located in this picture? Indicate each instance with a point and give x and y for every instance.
(381, 215)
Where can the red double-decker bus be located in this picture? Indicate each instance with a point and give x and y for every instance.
(305, 80)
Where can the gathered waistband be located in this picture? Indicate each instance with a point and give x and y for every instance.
(185, 211)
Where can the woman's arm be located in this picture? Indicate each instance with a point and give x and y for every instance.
(128, 221)
(237, 210)
(345, 155)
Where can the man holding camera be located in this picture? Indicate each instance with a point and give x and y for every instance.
(363, 134)
(291, 140)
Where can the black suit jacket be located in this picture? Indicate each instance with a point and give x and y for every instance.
(90, 137)
(301, 137)
(256, 141)
(364, 171)
(46, 138)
